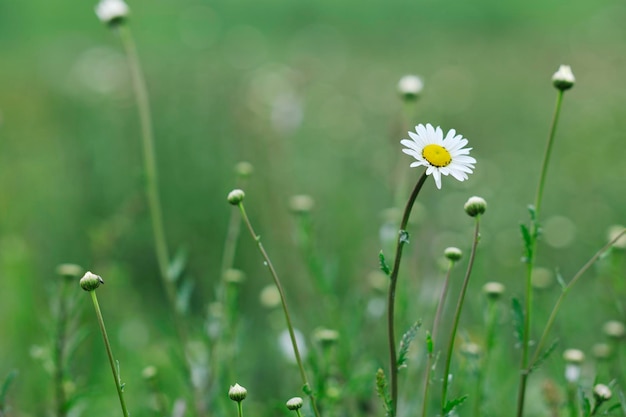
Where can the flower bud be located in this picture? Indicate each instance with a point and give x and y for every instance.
(493, 290)
(475, 206)
(613, 232)
(236, 196)
(563, 79)
(237, 393)
(234, 276)
(149, 373)
(90, 281)
(602, 393)
(69, 271)
(244, 169)
(326, 337)
(112, 12)
(574, 356)
(614, 329)
(601, 351)
(410, 87)
(301, 204)
(453, 254)
(294, 403)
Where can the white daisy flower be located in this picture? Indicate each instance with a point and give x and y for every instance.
(439, 155)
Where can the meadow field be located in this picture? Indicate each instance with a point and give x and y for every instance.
(297, 104)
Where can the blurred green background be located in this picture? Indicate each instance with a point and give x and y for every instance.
(306, 92)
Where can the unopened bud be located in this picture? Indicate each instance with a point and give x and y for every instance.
(614, 329)
(90, 282)
(294, 403)
(563, 79)
(453, 254)
(244, 169)
(237, 393)
(475, 206)
(236, 196)
(70, 271)
(493, 290)
(602, 393)
(112, 12)
(301, 204)
(410, 87)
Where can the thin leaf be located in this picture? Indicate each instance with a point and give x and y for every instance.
(622, 401)
(518, 320)
(404, 236)
(452, 404)
(177, 266)
(383, 263)
(5, 387)
(560, 280)
(585, 404)
(184, 295)
(405, 343)
(527, 239)
(546, 353)
(381, 390)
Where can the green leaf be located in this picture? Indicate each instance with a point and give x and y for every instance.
(528, 243)
(177, 266)
(546, 353)
(381, 390)
(622, 401)
(429, 343)
(306, 389)
(5, 387)
(184, 295)
(383, 263)
(518, 320)
(584, 402)
(452, 404)
(405, 343)
(560, 280)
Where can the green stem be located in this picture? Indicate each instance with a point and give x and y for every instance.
(393, 281)
(154, 202)
(457, 315)
(564, 292)
(107, 345)
(534, 232)
(239, 409)
(59, 350)
(429, 358)
(306, 386)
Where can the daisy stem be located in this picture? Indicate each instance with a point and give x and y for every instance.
(530, 261)
(457, 315)
(305, 382)
(154, 203)
(112, 362)
(393, 281)
(433, 337)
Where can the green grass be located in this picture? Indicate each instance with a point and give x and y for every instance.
(71, 186)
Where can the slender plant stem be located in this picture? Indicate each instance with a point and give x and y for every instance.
(154, 201)
(107, 345)
(391, 300)
(564, 292)
(239, 408)
(457, 315)
(530, 261)
(59, 350)
(433, 337)
(307, 387)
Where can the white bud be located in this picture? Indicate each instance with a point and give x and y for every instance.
(563, 79)
(410, 87)
(237, 393)
(602, 392)
(112, 11)
(294, 403)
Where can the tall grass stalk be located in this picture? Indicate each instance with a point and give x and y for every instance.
(403, 238)
(531, 256)
(112, 362)
(457, 316)
(154, 202)
(305, 382)
(433, 338)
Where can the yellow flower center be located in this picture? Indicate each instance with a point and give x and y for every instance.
(436, 155)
